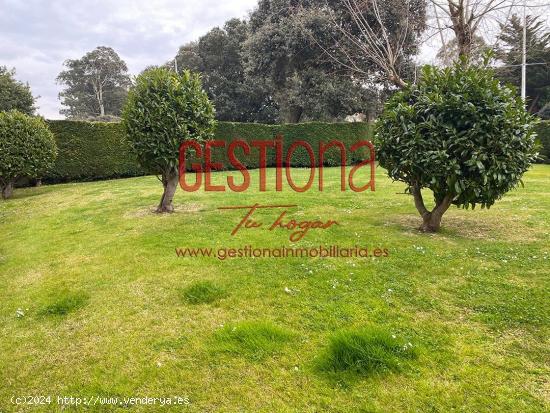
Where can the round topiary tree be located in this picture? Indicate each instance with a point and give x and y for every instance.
(27, 149)
(163, 109)
(459, 133)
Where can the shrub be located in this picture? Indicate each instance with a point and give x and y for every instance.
(91, 151)
(544, 112)
(162, 110)
(27, 149)
(543, 141)
(365, 352)
(203, 292)
(459, 133)
(97, 150)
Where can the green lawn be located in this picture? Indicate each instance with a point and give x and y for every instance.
(106, 308)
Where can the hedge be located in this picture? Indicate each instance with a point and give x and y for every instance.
(98, 150)
(543, 139)
(91, 150)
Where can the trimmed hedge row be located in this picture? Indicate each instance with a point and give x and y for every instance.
(98, 150)
(91, 150)
(543, 139)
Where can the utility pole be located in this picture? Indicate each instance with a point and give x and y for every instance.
(176, 64)
(524, 55)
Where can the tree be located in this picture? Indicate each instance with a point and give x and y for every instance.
(164, 109)
(218, 56)
(27, 149)
(377, 38)
(449, 53)
(459, 133)
(14, 95)
(538, 59)
(544, 113)
(95, 85)
(287, 50)
(470, 21)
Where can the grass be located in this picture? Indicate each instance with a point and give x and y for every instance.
(366, 352)
(253, 339)
(203, 292)
(94, 301)
(64, 302)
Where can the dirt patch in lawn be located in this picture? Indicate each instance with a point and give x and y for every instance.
(474, 226)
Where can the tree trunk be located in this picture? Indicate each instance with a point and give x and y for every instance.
(394, 78)
(170, 184)
(293, 114)
(38, 182)
(462, 27)
(431, 220)
(7, 190)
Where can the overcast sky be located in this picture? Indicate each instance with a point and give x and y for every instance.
(36, 36)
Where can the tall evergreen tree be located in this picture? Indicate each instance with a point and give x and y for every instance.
(538, 59)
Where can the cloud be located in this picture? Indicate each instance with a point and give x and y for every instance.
(37, 36)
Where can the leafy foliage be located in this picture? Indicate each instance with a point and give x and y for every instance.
(98, 150)
(14, 95)
(90, 151)
(543, 140)
(458, 132)
(544, 113)
(297, 50)
(27, 147)
(164, 109)
(538, 51)
(284, 51)
(218, 57)
(96, 85)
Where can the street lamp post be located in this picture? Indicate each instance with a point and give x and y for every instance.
(524, 54)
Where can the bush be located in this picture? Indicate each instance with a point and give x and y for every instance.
(311, 132)
(91, 151)
(95, 150)
(544, 112)
(543, 141)
(164, 109)
(459, 133)
(27, 149)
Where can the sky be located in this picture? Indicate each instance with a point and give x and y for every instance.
(37, 36)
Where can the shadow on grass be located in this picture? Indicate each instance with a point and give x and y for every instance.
(22, 193)
(471, 227)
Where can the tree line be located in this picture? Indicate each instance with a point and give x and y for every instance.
(300, 60)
